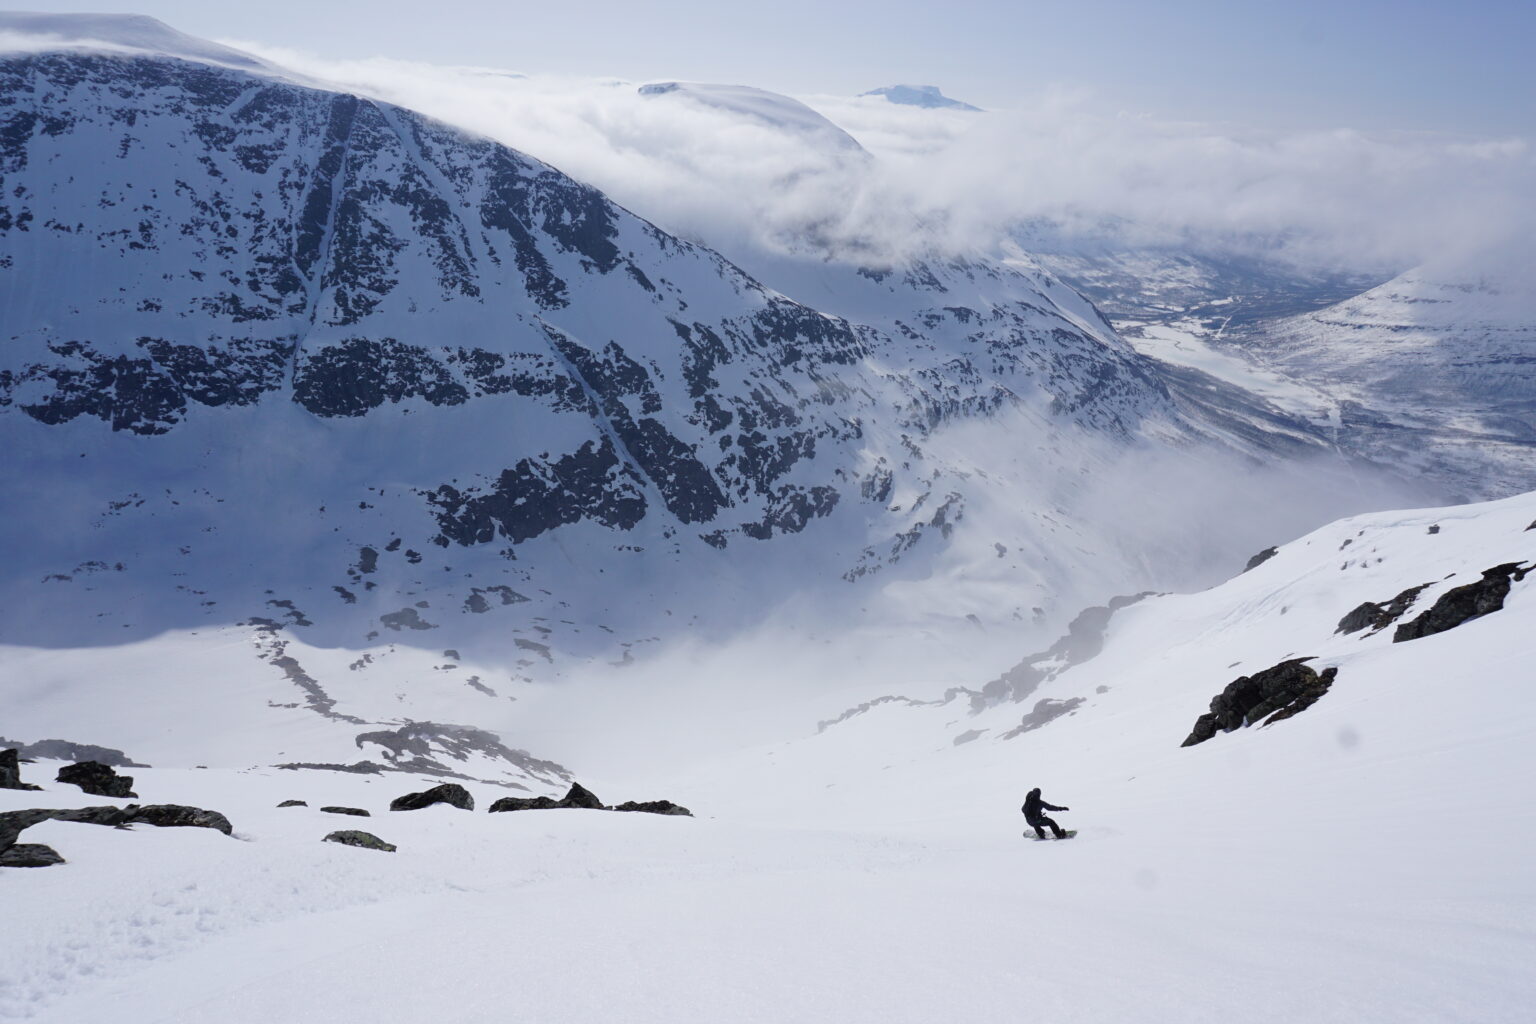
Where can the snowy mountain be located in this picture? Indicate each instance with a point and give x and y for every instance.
(1425, 372)
(1432, 370)
(298, 383)
(926, 96)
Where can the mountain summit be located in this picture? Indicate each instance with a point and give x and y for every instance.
(927, 96)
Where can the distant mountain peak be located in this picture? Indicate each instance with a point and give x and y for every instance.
(927, 96)
(767, 108)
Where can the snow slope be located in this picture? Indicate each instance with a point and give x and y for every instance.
(1364, 860)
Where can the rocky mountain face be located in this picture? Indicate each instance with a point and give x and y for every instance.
(293, 363)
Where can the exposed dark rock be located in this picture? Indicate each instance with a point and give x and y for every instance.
(12, 823)
(65, 750)
(294, 803)
(355, 811)
(405, 618)
(163, 815)
(423, 747)
(522, 803)
(10, 771)
(1278, 692)
(353, 837)
(868, 705)
(29, 855)
(1260, 558)
(180, 816)
(580, 796)
(97, 779)
(1462, 604)
(535, 496)
(1434, 529)
(448, 793)
(355, 768)
(1044, 711)
(654, 807)
(1083, 641)
(1377, 617)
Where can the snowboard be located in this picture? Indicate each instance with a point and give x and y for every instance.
(1066, 833)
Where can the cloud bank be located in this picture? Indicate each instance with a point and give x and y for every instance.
(956, 180)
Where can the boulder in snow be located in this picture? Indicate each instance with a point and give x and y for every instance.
(10, 771)
(654, 807)
(580, 796)
(522, 803)
(447, 793)
(353, 837)
(180, 816)
(356, 812)
(29, 855)
(97, 779)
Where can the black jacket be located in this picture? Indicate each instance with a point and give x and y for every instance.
(1033, 806)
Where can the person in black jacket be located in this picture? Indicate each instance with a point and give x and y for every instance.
(1033, 813)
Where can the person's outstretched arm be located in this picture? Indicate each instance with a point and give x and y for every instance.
(1053, 807)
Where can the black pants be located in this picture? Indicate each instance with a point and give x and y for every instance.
(1041, 825)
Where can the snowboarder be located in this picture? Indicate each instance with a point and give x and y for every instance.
(1033, 808)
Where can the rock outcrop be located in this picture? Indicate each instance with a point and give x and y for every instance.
(523, 803)
(448, 793)
(1279, 692)
(13, 823)
(580, 796)
(1378, 616)
(353, 837)
(356, 812)
(577, 796)
(294, 803)
(1462, 604)
(1260, 558)
(97, 779)
(68, 750)
(10, 771)
(181, 816)
(29, 855)
(654, 807)
(1044, 712)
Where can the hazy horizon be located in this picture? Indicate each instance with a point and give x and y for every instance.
(1374, 66)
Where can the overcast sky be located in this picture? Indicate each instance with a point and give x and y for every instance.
(1432, 65)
